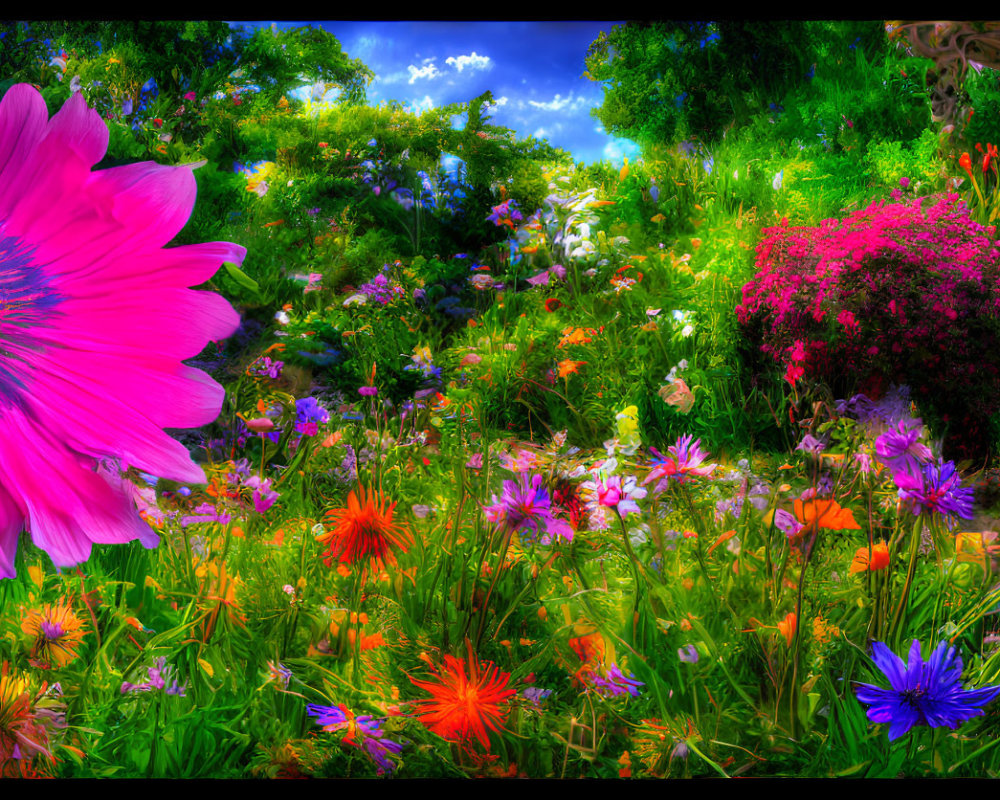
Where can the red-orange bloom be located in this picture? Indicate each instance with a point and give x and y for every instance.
(364, 530)
(965, 162)
(464, 706)
(879, 558)
(813, 514)
(786, 628)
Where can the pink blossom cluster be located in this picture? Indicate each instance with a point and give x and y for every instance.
(907, 292)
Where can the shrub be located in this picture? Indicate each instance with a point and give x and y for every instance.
(905, 292)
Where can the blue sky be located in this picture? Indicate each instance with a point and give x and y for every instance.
(534, 69)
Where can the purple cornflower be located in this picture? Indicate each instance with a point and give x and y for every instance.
(614, 683)
(922, 693)
(524, 509)
(365, 728)
(938, 488)
(900, 448)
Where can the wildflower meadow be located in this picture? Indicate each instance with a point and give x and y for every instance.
(345, 440)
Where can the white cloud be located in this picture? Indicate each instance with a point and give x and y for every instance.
(429, 71)
(491, 107)
(559, 103)
(541, 133)
(420, 106)
(473, 62)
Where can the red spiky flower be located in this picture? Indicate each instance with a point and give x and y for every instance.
(463, 705)
(364, 531)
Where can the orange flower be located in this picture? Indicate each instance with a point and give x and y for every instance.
(574, 336)
(464, 706)
(787, 628)
(813, 514)
(879, 558)
(567, 367)
(364, 530)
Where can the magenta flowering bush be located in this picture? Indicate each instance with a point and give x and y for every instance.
(898, 292)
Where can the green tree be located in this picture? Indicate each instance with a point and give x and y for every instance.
(664, 81)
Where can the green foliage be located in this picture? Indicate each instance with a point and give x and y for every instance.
(570, 343)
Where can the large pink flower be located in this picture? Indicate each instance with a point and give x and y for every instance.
(95, 319)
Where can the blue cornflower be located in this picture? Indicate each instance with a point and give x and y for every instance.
(922, 693)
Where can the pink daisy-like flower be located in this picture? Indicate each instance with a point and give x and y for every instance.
(684, 460)
(613, 492)
(95, 320)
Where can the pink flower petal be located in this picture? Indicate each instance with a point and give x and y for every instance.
(93, 341)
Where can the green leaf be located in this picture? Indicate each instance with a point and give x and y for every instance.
(241, 277)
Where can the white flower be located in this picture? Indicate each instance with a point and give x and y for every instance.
(687, 330)
(282, 318)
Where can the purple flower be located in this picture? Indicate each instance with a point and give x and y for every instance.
(535, 694)
(263, 495)
(899, 448)
(366, 728)
(158, 676)
(938, 488)
(309, 412)
(786, 522)
(525, 509)
(368, 391)
(688, 654)
(206, 512)
(268, 368)
(810, 444)
(922, 693)
(615, 684)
